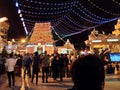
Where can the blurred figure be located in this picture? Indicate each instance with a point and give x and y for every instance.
(36, 67)
(88, 73)
(66, 65)
(19, 65)
(61, 67)
(45, 67)
(27, 63)
(72, 58)
(10, 65)
(55, 67)
(50, 65)
(117, 67)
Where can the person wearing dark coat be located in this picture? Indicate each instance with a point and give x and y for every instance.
(36, 67)
(19, 64)
(55, 67)
(61, 67)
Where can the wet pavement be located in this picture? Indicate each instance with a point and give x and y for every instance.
(112, 83)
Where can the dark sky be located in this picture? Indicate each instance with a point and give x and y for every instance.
(8, 9)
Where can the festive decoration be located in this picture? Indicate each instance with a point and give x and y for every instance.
(96, 6)
(41, 34)
(116, 2)
(102, 41)
(67, 17)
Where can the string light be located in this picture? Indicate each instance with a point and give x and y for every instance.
(65, 28)
(16, 4)
(86, 14)
(60, 38)
(58, 14)
(71, 26)
(53, 4)
(45, 13)
(38, 21)
(42, 16)
(20, 15)
(70, 19)
(84, 18)
(87, 29)
(92, 14)
(70, 34)
(94, 21)
(62, 29)
(58, 31)
(46, 8)
(80, 31)
(102, 8)
(118, 3)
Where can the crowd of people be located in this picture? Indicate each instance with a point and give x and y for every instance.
(50, 66)
(85, 69)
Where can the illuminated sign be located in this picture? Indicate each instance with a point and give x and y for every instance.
(49, 44)
(64, 50)
(112, 40)
(94, 41)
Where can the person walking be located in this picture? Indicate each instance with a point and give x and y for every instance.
(35, 67)
(10, 65)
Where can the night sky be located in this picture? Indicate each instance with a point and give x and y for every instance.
(16, 30)
(7, 9)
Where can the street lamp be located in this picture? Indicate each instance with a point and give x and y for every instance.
(23, 40)
(3, 19)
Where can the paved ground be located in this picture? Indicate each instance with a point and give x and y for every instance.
(112, 83)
